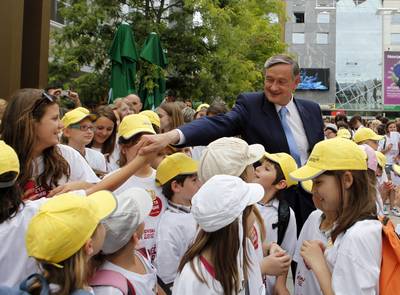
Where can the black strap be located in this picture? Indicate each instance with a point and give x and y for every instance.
(283, 219)
(166, 287)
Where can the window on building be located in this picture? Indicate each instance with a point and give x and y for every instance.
(395, 38)
(55, 15)
(396, 19)
(298, 38)
(323, 18)
(322, 38)
(299, 17)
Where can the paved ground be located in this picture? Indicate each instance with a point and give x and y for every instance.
(395, 220)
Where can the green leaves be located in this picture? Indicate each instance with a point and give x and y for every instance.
(219, 56)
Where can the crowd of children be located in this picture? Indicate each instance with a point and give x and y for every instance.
(95, 216)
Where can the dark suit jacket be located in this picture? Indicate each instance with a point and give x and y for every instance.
(256, 120)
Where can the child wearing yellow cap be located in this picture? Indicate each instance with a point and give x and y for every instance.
(273, 175)
(79, 132)
(352, 257)
(177, 175)
(131, 129)
(64, 234)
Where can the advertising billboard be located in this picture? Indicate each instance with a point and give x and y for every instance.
(314, 79)
(391, 78)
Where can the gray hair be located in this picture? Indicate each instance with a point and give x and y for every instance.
(282, 59)
(188, 114)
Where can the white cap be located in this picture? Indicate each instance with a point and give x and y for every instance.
(228, 155)
(134, 205)
(222, 199)
(331, 126)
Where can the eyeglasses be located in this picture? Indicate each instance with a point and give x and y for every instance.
(83, 128)
(45, 98)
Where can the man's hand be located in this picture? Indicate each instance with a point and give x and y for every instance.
(156, 143)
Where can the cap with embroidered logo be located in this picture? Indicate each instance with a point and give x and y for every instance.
(134, 124)
(330, 155)
(77, 115)
(174, 165)
(153, 117)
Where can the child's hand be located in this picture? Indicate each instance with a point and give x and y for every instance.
(276, 264)
(276, 249)
(313, 254)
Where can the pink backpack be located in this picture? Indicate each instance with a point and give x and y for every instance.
(105, 277)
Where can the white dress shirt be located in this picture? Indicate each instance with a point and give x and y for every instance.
(296, 125)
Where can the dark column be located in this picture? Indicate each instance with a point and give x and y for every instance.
(11, 28)
(35, 44)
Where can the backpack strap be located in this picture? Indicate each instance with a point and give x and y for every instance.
(106, 277)
(283, 219)
(36, 277)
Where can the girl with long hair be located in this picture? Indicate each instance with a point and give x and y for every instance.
(171, 116)
(105, 136)
(31, 125)
(351, 259)
(209, 266)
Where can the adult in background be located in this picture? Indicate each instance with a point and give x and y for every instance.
(134, 103)
(273, 118)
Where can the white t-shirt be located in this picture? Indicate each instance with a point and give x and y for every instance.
(305, 281)
(393, 139)
(159, 205)
(15, 265)
(79, 168)
(113, 159)
(187, 283)
(355, 259)
(269, 213)
(96, 160)
(175, 233)
(144, 284)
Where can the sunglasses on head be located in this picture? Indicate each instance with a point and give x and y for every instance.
(45, 98)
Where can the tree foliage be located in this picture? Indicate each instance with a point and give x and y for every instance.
(219, 54)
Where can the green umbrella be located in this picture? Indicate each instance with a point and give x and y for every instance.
(124, 56)
(152, 82)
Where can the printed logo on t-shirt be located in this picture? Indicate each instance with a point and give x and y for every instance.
(254, 237)
(157, 207)
(33, 191)
(300, 279)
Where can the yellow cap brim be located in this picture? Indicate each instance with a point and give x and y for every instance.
(104, 203)
(396, 169)
(307, 185)
(306, 173)
(137, 131)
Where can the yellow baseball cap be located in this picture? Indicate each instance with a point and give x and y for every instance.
(287, 164)
(8, 159)
(202, 106)
(344, 133)
(332, 154)
(153, 117)
(77, 115)
(381, 159)
(174, 165)
(365, 134)
(134, 124)
(64, 223)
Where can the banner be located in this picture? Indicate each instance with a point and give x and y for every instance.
(391, 78)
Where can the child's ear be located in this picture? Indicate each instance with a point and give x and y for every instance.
(175, 186)
(347, 179)
(66, 132)
(281, 185)
(88, 247)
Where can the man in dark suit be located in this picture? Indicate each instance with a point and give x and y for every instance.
(273, 118)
